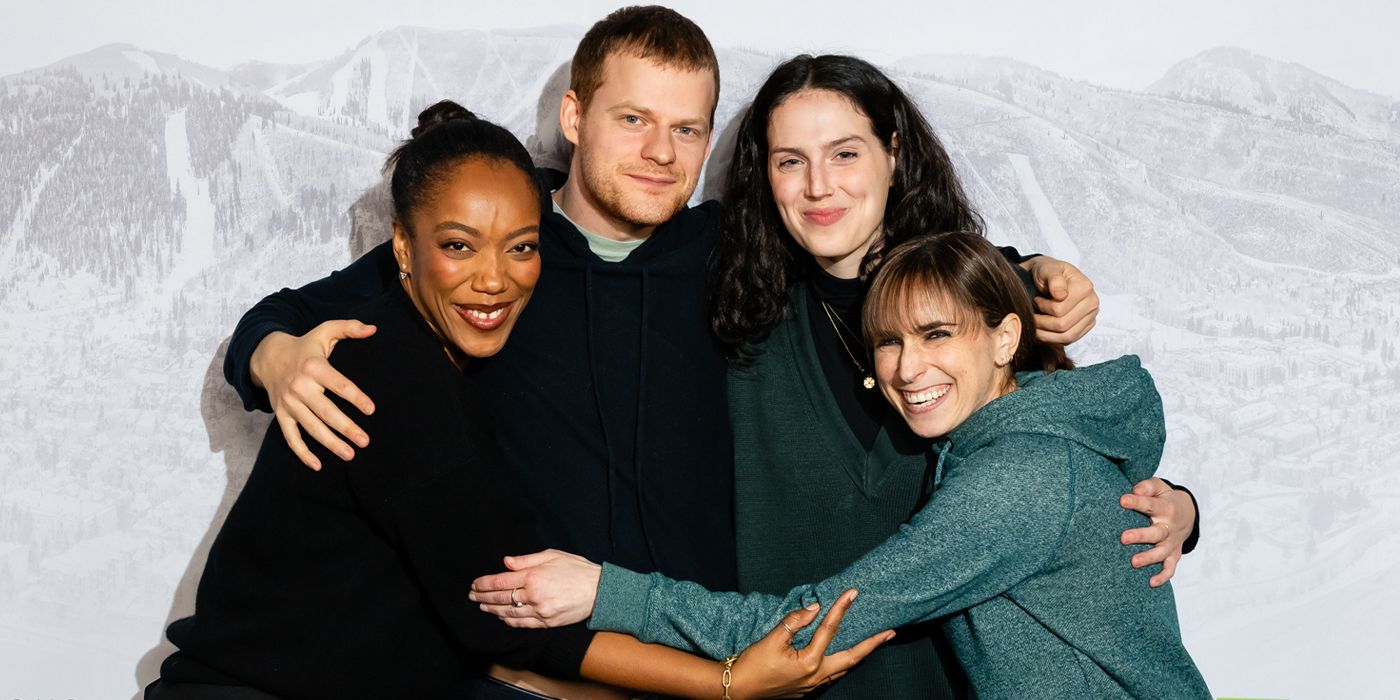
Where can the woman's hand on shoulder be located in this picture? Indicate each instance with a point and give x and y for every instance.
(544, 589)
(1173, 515)
(295, 371)
(772, 668)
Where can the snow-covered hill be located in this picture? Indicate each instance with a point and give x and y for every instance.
(1241, 219)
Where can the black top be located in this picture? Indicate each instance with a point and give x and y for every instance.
(863, 408)
(352, 582)
(610, 395)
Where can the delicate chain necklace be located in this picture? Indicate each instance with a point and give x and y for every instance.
(869, 380)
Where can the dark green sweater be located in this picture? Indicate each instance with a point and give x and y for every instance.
(1018, 544)
(809, 499)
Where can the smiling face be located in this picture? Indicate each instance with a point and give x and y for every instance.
(640, 143)
(830, 176)
(471, 251)
(943, 364)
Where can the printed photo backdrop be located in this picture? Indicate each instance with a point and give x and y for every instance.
(1240, 217)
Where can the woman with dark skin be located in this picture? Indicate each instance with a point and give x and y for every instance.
(350, 583)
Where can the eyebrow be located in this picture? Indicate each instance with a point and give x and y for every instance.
(825, 147)
(457, 226)
(934, 325)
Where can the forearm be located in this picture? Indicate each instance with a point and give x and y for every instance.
(620, 660)
(978, 536)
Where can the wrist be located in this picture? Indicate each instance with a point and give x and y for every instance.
(727, 677)
(265, 349)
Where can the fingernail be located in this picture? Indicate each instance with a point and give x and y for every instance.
(346, 455)
(853, 595)
(814, 606)
(361, 439)
(889, 635)
(368, 409)
(316, 466)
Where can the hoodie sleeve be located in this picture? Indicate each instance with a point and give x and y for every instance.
(996, 519)
(296, 311)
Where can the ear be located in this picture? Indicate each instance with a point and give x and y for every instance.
(894, 153)
(1006, 339)
(403, 248)
(570, 114)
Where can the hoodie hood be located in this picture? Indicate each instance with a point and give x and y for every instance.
(1112, 408)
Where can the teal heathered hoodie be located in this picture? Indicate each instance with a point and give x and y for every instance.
(1016, 552)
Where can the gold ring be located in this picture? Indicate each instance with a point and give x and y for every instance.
(789, 629)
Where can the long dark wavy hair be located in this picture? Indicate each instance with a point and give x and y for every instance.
(756, 260)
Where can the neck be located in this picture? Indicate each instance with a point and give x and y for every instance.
(583, 209)
(847, 268)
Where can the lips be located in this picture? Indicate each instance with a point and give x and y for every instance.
(486, 317)
(924, 400)
(653, 181)
(824, 217)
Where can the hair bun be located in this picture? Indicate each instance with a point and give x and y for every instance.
(444, 111)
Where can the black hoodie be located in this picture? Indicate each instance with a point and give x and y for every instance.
(608, 399)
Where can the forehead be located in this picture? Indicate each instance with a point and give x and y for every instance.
(906, 308)
(482, 190)
(655, 87)
(816, 116)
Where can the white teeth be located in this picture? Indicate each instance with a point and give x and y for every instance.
(484, 316)
(926, 396)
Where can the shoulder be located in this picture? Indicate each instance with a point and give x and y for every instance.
(402, 350)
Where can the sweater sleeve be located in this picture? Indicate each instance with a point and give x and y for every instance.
(446, 505)
(995, 520)
(296, 311)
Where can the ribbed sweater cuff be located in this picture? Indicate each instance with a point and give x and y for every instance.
(621, 603)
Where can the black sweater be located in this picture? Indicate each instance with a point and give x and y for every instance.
(352, 582)
(609, 397)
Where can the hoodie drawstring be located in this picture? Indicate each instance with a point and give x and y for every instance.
(598, 401)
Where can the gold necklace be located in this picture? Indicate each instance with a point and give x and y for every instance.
(869, 380)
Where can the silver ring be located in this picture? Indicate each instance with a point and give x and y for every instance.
(514, 602)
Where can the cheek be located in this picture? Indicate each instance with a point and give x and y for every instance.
(785, 195)
(526, 273)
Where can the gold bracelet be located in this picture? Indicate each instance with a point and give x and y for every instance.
(728, 676)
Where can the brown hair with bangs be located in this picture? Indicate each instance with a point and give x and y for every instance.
(652, 32)
(959, 271)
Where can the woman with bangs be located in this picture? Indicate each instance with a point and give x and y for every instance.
(1016, 554)
(835, 166)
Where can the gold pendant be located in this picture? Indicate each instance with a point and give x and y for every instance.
(869, 382)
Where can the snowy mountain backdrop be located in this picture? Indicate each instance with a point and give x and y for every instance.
(1240, 217)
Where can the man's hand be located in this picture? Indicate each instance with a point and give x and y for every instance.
(296, 372)
(544, 589)
(1072, 308)
(1173, 516)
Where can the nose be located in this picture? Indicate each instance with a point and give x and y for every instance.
(658, 147)
(490, 277)
(911, 363)
(818, 182)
